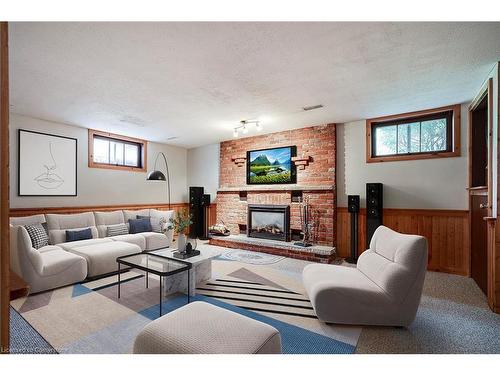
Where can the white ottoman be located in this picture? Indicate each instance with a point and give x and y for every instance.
(202, 328)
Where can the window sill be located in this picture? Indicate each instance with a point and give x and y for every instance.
(380, 159)
(116, 167)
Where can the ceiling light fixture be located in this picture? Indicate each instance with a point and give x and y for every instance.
(311, 107)
(244, 128)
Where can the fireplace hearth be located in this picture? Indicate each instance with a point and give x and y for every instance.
(269, 221)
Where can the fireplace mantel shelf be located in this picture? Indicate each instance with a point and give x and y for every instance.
(277, 188)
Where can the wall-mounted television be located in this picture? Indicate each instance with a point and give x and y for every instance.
(271, 166)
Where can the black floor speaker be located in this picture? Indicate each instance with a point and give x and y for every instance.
(374, 209)
(353, 209)
(205, 205)
(196, 210)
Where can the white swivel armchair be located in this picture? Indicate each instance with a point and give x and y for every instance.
(384, 289)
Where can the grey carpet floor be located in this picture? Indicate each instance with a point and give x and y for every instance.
(453, 317)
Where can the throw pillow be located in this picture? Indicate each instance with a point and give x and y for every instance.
(140, 225)
(38, 235)
(116, 230)
(78, 235)
(156, 223)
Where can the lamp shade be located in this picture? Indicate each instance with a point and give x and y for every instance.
(156, 176)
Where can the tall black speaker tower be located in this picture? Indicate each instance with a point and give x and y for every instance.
(374, 209)
(205, 205)
(353, 209)
(196, 210)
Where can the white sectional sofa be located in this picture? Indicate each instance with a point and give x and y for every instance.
(62, 263)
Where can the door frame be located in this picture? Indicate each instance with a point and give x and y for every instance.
(486, 90)
(4, 191)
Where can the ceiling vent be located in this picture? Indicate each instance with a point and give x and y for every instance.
(171, 138)
(132, 120)
(312, 107)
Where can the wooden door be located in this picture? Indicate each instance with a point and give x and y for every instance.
(4, 190)
(479, 255)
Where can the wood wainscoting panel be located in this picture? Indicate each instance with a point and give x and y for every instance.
(15, 212)
(447, 232)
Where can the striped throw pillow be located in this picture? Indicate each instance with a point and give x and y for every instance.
(116, 230)
(38, 235)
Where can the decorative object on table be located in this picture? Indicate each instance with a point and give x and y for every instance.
(189, 252)
(271, 166)
(180, 223)
(305, 224)
(47, 164)
(157, 175)
(219, 230)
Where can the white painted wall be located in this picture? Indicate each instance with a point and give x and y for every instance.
(101, 186)
(428, 183)
(203, 168)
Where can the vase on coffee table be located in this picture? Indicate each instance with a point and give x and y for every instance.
(181, 243)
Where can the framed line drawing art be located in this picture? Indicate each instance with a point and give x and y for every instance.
(47, 164)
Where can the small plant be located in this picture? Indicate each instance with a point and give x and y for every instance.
(181, 222)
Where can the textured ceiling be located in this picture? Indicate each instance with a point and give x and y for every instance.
(196, 81)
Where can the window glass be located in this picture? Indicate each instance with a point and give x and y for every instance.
(117, 152)
(434, 135)
(385, 137)
(101, 150)
(429, 135)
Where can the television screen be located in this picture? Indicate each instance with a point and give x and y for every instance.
(271, 166)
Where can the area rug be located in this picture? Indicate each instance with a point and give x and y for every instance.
(250, 257)
(89, 317)
(24, 339)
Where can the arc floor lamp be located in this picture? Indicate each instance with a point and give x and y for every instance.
(157, 175)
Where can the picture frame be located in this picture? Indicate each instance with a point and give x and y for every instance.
(280, 170)
(47, 164)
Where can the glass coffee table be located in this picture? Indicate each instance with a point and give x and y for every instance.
(156, 264)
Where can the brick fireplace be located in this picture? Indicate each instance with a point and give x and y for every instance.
(315, 161)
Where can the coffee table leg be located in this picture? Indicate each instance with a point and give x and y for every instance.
(160, 293)
(119, 280)
(147, 279)
(189, 284)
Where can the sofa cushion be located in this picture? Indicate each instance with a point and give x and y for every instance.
(155, 241)
(56, 261)
(75, 244)
(136, 239)
(38, 235)
(132, 214)
(162, 218)
(58, 224)
(116, 230)
(139, 225)
(28, 220)
(338, 293)
(78, 235)
(156, 223)
(105, 219)
(101, 257)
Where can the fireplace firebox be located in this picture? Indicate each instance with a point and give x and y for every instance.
(269, 221)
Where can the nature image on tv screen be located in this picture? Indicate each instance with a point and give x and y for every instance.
(272, 166)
